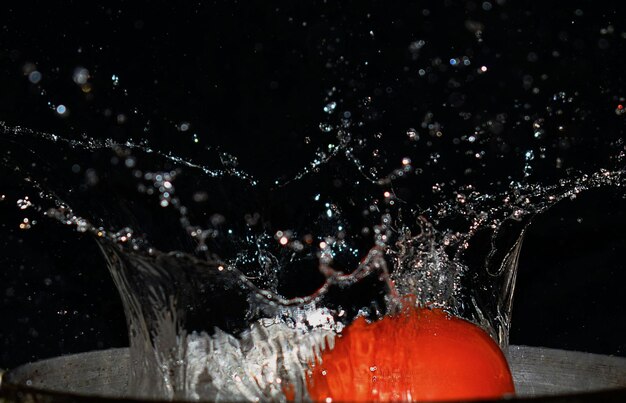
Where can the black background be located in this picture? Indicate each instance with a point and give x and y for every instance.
(250, 78)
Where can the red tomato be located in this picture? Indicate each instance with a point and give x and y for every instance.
(421, 354)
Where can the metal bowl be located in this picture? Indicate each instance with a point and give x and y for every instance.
(540, 374)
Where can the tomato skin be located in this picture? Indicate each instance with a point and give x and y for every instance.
(421, 354)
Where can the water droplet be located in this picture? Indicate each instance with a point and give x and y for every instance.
(25, 224)
(61, 110)
(326, 127)
(130, 162)
(330, 107)
(415, 47)
(80, 75)
(412, 134)
(24, 203)
(34, 77)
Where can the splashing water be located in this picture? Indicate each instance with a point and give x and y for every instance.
(233, 283)
(218, 321)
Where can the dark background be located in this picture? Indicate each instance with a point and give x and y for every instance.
(251, 79)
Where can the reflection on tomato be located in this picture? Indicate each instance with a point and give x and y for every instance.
(421, 354)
